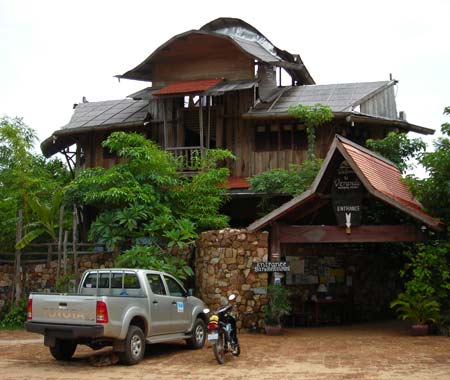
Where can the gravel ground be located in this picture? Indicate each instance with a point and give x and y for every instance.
(382, 351)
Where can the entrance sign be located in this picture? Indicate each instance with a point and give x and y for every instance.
(275, 266)
(346, 195)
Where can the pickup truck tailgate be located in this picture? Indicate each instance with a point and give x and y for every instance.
(64, 308)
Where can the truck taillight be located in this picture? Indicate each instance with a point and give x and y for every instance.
(101, 312)
(30, 309)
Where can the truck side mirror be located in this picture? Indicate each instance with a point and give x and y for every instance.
(190, 292)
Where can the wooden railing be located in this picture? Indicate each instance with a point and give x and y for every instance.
(188, 156)
(39, 253)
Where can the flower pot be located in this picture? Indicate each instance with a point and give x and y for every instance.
(273, 330)
(419, 330)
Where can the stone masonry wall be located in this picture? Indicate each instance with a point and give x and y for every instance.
(224, 265)
(42, 277)
(6, 280)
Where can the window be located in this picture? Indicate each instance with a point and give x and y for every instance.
(131, 281)
(156, 284)
(175, 289)
(280, 137)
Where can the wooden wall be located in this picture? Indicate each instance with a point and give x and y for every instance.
(201, 57)
(232, 133)
(382, 104)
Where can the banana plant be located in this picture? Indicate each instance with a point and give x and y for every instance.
(47, 219)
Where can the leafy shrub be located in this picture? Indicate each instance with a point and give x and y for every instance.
(16, 315)
(152, 257)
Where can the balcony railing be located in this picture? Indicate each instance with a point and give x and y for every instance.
(188, 157)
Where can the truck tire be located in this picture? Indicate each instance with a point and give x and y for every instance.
(198, 335)
(134, 346)
(63, 350)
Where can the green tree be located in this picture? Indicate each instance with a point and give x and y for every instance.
(145, 201)
(293, 181)
(23, 175)
(398, 148)
(434, 191)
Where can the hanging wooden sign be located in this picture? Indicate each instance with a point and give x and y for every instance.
(346, 196)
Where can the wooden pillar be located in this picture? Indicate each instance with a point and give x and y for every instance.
(208, 133)
(74, 243)
(219, 127)
(164, 123)
(200, 121)
(66, 235)
(60, 240)
(275, 246)
(180, 127)
(17, 265)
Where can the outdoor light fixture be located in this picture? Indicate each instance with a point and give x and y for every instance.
(322, 288)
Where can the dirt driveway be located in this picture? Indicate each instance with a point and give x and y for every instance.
(369, 352)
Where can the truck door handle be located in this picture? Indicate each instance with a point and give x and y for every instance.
(155, 302)
(174, 303)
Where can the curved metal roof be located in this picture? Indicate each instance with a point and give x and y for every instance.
(243, 36)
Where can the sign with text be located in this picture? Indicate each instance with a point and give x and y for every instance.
(346, 195)
(269, 266)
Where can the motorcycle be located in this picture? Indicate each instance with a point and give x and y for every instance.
(222, 332)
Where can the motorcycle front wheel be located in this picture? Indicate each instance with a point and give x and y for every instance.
(219, 348)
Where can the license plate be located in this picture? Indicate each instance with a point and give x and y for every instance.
(213, 336)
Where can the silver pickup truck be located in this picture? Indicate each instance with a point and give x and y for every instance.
(122, 308)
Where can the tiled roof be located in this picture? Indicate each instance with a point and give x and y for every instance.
(382, 175)
(188, 87)
(237, 183)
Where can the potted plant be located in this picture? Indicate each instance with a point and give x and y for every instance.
(277, 305)
(418, 308)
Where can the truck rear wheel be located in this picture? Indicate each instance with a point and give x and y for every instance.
(134, 346)
(198, 334)
(63, 349)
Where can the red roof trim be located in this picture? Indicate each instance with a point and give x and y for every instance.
(237, 183)
(188, 87)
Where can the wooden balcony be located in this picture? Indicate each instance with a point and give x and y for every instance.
(188, 157)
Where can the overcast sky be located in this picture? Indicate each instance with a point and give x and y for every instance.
(55, 52)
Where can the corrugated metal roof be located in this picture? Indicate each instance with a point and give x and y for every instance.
(122, 111)
(381, 178)
(87, 116)
(339, 97)
(247, 38)
(221, 88)
(188, 87)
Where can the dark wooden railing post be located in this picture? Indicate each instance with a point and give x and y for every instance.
(17, 265)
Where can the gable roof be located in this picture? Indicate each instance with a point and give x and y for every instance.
(381, 178)
(98, 115)
(245, 37)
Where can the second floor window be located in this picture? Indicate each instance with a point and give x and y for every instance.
(280, 137)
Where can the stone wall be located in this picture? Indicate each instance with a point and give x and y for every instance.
(224, 265)
(6, 280)
(42, 277)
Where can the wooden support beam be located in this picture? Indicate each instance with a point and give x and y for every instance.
(275, 246)
(219, 126)
(360, 234)
(200, 121)
(17, 294)
(164, 124)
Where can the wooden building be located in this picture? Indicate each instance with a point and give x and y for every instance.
(220, 86)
